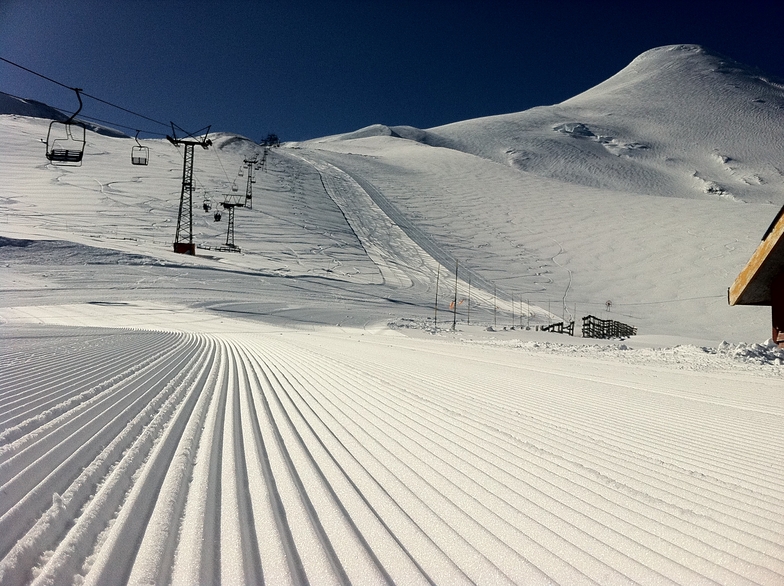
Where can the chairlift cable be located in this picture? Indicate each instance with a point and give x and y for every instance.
(215, 150)
(63, 111)
(36, 73)
(42, 76)
(123, 109)
(114, 124)
(201, 185)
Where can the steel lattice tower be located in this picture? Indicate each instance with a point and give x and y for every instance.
(229, 205)
(183, 238)
(230, 230)
(249, 163)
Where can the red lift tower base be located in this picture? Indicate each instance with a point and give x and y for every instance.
(185, 248)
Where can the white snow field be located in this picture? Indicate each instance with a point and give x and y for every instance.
(291, 414)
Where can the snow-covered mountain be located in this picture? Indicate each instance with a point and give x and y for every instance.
(24, 107)
(31, 108)
(678, 121)
(289, 414)
(558, 207)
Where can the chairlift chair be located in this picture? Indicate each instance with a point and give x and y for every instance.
(217, 216)
(140, 155)
(234, 186)
(65, 140)
(241, 172)
(207, 205)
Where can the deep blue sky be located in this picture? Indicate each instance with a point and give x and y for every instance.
(306, 68)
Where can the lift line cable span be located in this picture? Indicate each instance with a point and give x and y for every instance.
(124, 126)
(85, 94)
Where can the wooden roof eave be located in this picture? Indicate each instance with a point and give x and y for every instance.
(753, 285)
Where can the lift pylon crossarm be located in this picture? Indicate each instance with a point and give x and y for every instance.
(194, 138)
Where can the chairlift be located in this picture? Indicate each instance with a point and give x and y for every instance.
(65, 140)
(207, 205)
(234, 186)
(217, 215)
(140, 155)
(241, 172)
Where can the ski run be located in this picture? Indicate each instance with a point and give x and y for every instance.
(286, 457)
(303, 411)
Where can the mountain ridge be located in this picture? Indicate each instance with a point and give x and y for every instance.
(678, 121)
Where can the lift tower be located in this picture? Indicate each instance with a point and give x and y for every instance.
(250, 164)
(229, 203)
(183, 239)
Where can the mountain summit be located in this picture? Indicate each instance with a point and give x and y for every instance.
(677, 121)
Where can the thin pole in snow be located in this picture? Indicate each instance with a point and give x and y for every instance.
(528, 312)
(454, 304)
(495, 308)
(435, 316)
(469, 300)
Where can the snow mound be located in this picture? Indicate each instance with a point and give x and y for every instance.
(767, 353)
(234, 143)
(367, 132)
(64, 253)
(375, 130)
(575, 129)
(765, 359)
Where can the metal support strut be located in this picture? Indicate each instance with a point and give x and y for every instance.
(230, 230)
(183, 238)
(250, 164)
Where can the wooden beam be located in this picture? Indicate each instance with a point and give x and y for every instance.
(754, 283)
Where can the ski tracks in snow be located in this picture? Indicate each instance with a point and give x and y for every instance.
(157, 457)
(402, 261)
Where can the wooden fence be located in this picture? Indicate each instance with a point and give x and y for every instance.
(593, 327)
(559, 328)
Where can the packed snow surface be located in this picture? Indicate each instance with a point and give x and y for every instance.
(303, 411)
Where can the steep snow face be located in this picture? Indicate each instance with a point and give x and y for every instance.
(31, 108)
(12, 105)
(677, 121)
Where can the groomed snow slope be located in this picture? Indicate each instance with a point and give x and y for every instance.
(255, 454)
(288, 415)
